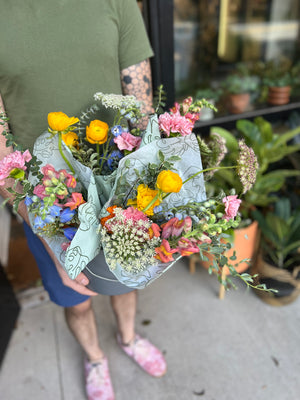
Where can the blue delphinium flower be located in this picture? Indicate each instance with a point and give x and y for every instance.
(49, 219)
(28, 201)
(114, 158)
(55, 210)
(117, 130)
(70, 232)
(66, 215)
(38, 222)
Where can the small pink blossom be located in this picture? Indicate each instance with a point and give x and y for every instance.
(186, 247)
(134, 214)
(186, 104)
(175, 123)
(193, 117)
(127, 141)
(203, 239)
(49, 171)
(12, 161)
(232, 204)
(39, 191)
(65, 245)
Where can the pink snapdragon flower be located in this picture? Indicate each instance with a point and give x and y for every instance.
(39, 191)
(232, 204)
(127, 141)
(175, 123)
(186, 104)
(15, 160)
(164, 252)
(186, 246)
(174, 227)
(75, 201)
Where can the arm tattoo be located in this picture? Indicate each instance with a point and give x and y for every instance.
(136, 80)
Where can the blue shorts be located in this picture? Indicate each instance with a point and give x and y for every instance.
(58, 292)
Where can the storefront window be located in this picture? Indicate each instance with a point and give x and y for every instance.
(213, 38)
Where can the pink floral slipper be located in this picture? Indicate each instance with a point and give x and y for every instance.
(98, 383)
(145, 355)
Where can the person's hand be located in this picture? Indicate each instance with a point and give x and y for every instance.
(78, 284)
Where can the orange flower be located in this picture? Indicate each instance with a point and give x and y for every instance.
(144, 196)
(59, 121)
(154, 230)
(70, 138)
(169, 182)
(96, 132)
(164, 252)
(111, 215)
(76, 201)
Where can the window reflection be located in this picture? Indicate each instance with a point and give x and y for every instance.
(212, 37)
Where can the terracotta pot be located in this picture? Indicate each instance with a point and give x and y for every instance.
(244, 245)
(286, 282)
(238, 103)
(279, 95)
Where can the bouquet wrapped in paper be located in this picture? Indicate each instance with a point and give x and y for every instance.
(123, 207)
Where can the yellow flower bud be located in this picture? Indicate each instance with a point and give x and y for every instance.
(96, 132)
(144, 196)
(59, 121)
(169, 182)
(70, 139)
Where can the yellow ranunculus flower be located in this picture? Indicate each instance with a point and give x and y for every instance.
(59, 121)
(144, 197)
(169, 182)
(96, 132)
(70, 138)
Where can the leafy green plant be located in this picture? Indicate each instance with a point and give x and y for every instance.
(269, 147)
(209, 94)
(236, 84)
(280, 233)
(279, 73)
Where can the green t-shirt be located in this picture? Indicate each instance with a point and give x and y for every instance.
(55, 54)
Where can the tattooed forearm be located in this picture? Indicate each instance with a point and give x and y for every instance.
(136, 80)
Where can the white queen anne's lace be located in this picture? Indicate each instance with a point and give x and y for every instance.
(117, 101)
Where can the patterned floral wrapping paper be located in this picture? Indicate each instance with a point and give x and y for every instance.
(86, 244)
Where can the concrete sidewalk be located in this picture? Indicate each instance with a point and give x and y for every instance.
(235, 349)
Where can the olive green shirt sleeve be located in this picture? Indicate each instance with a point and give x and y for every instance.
(134, 45)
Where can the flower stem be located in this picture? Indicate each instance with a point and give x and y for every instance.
(152, 201)
(206, 170)
(98, 152)
(62, 154)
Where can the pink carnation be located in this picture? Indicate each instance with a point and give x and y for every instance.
(232, 204)
(175, 123)
(126, 141)
(13, 160)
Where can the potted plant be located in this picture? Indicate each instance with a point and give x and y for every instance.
(269, 148)
(278, 263)
(279, 78)
(212, 95)
(238, 89)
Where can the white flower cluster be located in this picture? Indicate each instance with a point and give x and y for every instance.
(129, 244)
(117, 101)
